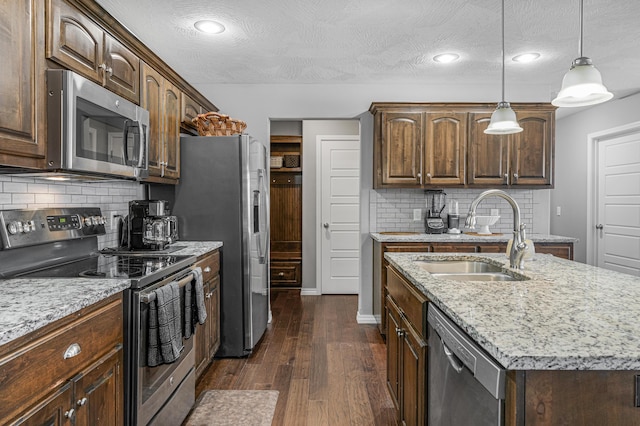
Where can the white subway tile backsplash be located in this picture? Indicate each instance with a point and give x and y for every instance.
(392, 209)
(112, 197)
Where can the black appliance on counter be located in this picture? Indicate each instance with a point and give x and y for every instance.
(62, 242)
(149, 226)
(436, 201)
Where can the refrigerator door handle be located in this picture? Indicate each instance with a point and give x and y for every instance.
(260, 208)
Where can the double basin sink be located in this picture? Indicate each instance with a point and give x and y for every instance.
(468, 270)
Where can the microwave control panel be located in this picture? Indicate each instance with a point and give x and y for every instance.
(19, 228)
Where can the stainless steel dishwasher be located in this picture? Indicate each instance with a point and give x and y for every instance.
(466, 386)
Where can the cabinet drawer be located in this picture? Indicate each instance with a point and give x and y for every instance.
(411, 302)
(35, 369)
(286, 273)
(210, 265)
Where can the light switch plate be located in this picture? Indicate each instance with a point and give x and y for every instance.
(495, 212)
(417, 215)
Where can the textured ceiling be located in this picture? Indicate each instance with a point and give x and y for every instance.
(387, 41)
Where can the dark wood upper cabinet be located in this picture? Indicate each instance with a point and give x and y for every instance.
(524, 158)
(422, 145)
(445, 146)
(79, 44)
(22, 84)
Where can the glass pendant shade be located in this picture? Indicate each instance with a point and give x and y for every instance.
(582, 86)
(503, 121)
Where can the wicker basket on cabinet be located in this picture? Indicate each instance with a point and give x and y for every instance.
(216, 124)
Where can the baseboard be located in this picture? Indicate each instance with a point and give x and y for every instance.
(366, 319)
(309, 292)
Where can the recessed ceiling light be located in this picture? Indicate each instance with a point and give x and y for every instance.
(445, 58)
(526, 57)
(210, 27)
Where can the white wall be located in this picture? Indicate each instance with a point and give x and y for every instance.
(571, 169)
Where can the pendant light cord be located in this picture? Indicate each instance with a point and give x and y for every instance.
(503, 50)
(581, 23)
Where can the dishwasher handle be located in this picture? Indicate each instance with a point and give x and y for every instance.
(453, 360)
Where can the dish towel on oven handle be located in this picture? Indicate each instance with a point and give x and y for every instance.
(200, 308)
(165, 326)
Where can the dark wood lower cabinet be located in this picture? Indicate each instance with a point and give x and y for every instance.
(406, 351)
(207, 337)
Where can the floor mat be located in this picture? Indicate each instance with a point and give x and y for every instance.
(234, 407)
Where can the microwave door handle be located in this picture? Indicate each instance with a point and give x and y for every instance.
(142, 143)
(125, 144)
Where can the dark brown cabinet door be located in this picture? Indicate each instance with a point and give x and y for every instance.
(99, 392)
(189, 109)
(532, 153)
(401, 148)
(52, 411)
(73, 40)
(445, 145)
(414, 356)
(393, 352)
(171, 131)
(488, 154)
(22, 84)
(122, 70)
(152, 101)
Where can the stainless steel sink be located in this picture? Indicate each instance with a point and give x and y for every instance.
(486, 276)
(468, 270)
(458, 266)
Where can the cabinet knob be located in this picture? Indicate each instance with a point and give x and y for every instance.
(69, 414)
(207, 269)
(281, 274)
(515, 176)
(81, 402)
(428, 175)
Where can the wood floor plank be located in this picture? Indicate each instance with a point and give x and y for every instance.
(328, 369)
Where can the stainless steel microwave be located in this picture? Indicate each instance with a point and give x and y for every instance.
(91, 130)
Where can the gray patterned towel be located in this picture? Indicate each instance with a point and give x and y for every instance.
(200, 308)
(189, 305)
(165, 326)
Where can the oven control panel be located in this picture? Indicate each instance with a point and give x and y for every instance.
(19, 228)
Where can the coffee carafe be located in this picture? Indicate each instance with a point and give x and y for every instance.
(150, 227)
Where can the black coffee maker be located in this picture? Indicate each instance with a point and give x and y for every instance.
(436, 200)
(149, 225)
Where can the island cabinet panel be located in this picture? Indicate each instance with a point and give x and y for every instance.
(22, 86)
(586, 398)
(407, 352)
(80, 355)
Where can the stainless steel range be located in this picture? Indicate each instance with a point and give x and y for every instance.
(62, 242)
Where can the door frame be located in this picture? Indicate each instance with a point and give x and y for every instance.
(319, 139)
(593, 139)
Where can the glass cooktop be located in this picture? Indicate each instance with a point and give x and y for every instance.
(133, 267)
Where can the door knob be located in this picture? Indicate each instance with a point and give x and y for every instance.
(326, 225)
(599, 226)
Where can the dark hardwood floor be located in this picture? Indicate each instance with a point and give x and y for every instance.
(328, 369)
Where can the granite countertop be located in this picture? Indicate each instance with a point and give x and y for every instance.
(394, 237)
(568, 316)
(28, 304)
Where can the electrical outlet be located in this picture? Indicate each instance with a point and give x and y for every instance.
(417, 215)
(558, 211)
(495, 212)
(114, 220)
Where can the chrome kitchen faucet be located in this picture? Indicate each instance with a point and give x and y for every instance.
(519, 246)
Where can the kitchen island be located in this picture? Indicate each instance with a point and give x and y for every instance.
(566, 335)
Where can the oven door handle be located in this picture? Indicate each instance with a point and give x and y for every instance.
(149, 295)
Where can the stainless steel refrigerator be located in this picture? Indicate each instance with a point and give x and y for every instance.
(223, 195)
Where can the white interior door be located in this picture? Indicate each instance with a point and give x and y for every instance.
(339, 224)
(618, 210)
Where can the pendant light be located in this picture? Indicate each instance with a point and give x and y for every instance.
(503, 120)
(582, 84)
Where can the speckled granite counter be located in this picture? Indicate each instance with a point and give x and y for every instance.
(28, 304)
(568, 316)
(466, 238)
